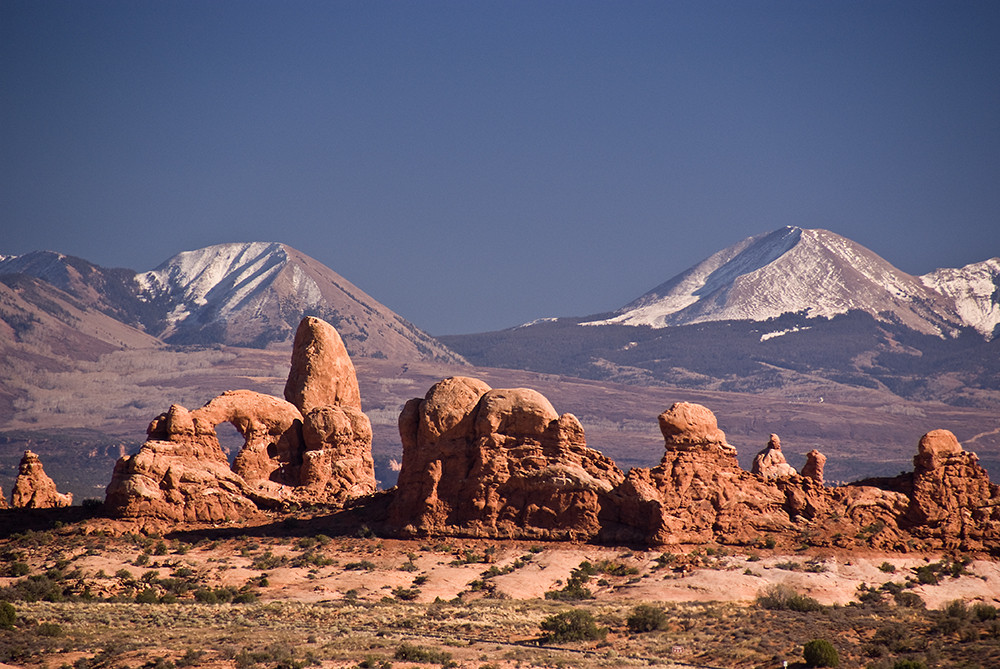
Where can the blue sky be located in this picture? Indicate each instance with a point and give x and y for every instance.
(475, 165)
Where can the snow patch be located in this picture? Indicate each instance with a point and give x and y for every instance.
(779, 333)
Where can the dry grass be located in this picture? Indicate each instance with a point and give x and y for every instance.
(308, 603)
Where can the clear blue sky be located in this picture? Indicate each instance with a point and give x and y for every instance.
(474, 165)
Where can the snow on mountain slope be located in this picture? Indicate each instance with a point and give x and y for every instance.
(221, 278)
(815, 272)
(255, 294)
(975, 290)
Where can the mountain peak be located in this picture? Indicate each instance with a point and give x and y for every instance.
(792, 269)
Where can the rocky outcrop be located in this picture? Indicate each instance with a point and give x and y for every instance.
(698, 493)
(322, 456)
(952, 500)
(322, 373)
(813, 469)
(498, 463)
(33, 489)
(770, 463)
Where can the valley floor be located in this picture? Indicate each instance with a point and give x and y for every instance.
(287, 596)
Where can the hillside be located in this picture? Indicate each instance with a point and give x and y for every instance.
(245, 294)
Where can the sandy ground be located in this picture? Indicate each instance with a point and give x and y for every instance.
(441, 572)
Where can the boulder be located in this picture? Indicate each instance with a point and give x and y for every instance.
(687, 426)
(33, 489)
(770, 463)
(496, 463)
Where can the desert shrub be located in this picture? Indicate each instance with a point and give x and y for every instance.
(820, 653)
(909, 664)
(780, 597)
(646, 618)
(267, 561)
(984, 612)
(192, 658)
(910, 600)
(887, 568)
(49, 629)
(364, 565)
(406, 594)
(8, 616)
(36, 588)
(17, 569)
(572, 625)
(957, 610)
(147, 596)
(574, 589)
(413, 653)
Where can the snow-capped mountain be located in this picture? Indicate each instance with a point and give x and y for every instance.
(819, 274)
(243, 294)
(975, 290)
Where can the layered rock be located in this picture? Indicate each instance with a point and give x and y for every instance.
(337, 459)
(500, 463)
(33, 489)
(698, 492)
(321, 456)
(952, 500)
(770, 463)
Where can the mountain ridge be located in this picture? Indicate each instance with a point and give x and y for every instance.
(820, 274)
(242, 294)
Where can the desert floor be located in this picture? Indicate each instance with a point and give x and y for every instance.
(87, 595)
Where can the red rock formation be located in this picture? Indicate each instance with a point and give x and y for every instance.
(33, 489)
(179, 474)
(813, 468)
(322, 373)
(698, 493)
(770, 463)
(952, 500)
(182, 474)
(501, 463)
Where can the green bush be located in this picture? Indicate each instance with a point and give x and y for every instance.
(412, 653)
(147, 596)
(8, 616)
(779, 597)
(984, 612)
(646, 618)
(909, 664)
(572, 625)
(820, 653)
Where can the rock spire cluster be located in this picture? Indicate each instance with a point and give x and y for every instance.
(33, 489)
(503, 463)
(313, 447)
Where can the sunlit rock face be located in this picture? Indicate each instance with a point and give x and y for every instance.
(317, 451)
(33, 489)
(498, 463)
